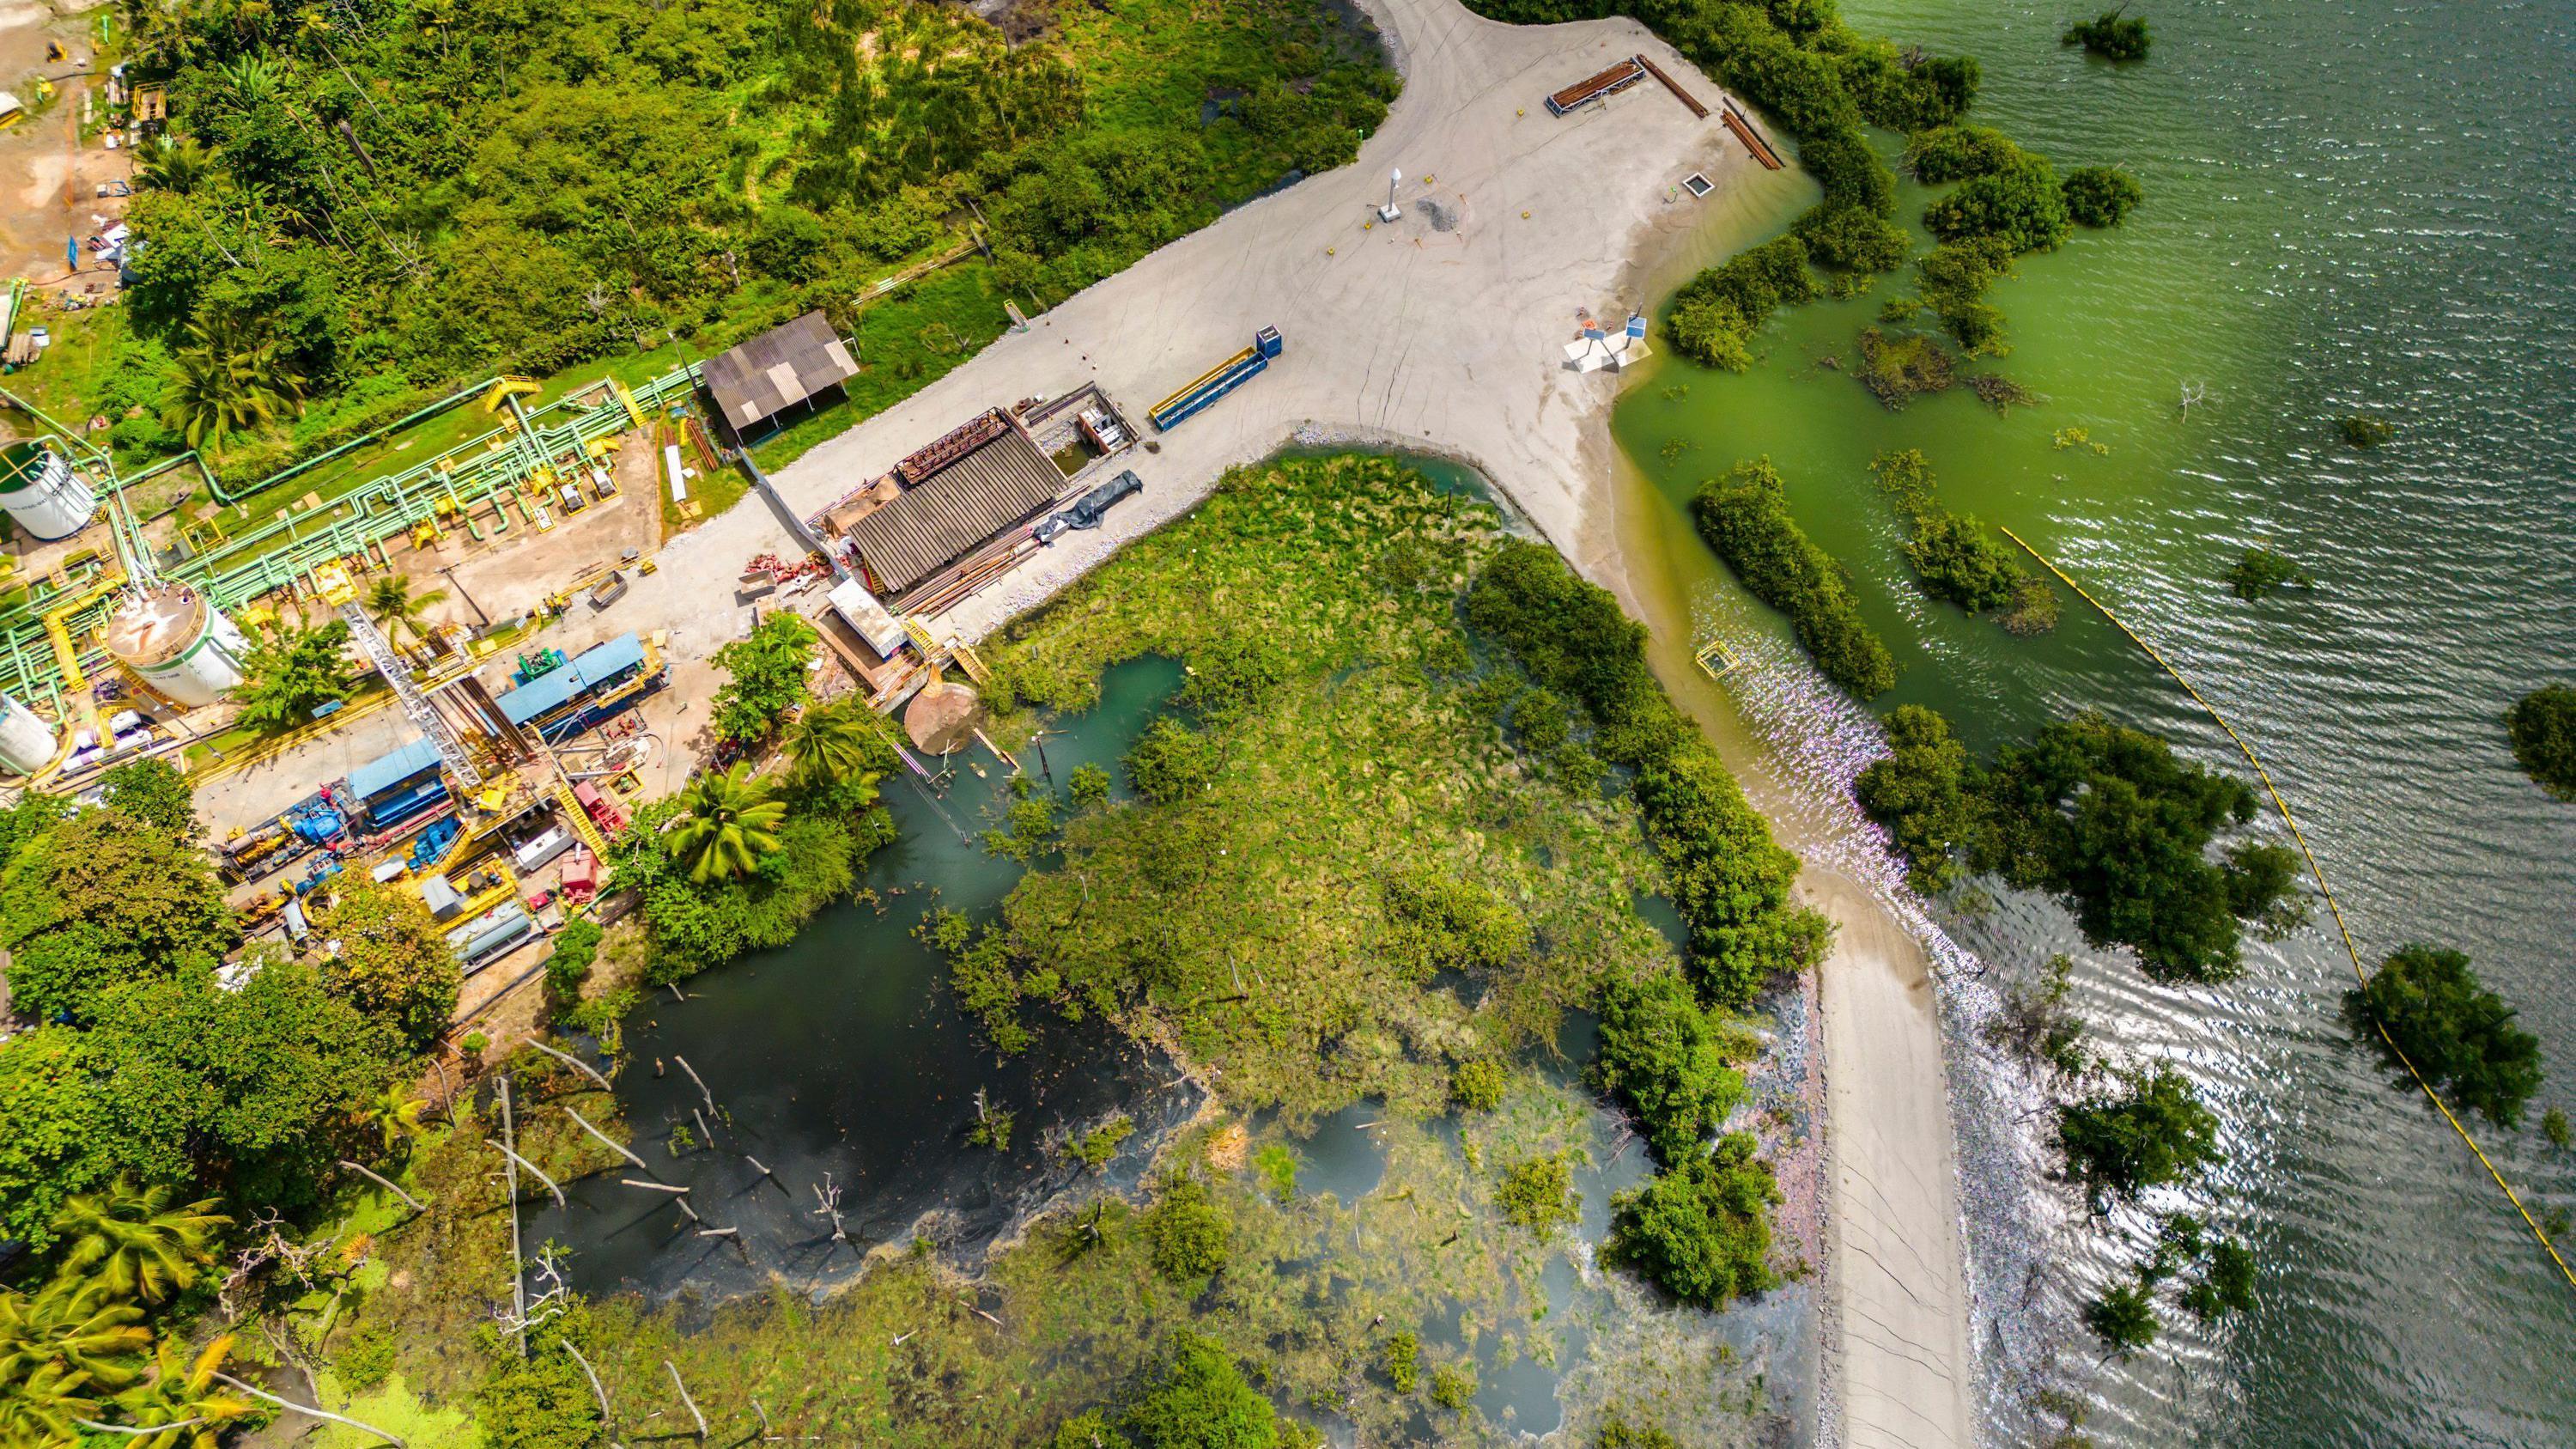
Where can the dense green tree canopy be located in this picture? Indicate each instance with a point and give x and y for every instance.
(1745, 518)
(2101, 195)
(1669, 1064)
(1702, 1228)
(1925, 792)
(2111, 819)
(2542, 726)
(393, 961)
(2149, 1131)
(103, 899)
(153, 791)
(769, 675)
(2457, 1033)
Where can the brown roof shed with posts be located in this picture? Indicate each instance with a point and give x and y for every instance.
(777, 370)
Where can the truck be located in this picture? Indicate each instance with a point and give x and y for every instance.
(1228, 375)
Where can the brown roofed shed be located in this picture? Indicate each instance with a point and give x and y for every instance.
(955, 509)
(778, 369)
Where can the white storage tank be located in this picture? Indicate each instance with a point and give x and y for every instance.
(26, 740)
(41, 493)
(179, 643)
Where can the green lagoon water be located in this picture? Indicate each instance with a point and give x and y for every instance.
(2351, 206)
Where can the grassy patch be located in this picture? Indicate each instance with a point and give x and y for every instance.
(1365, 883)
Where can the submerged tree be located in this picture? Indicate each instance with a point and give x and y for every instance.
(2542, 726)
(2262, 572)
(2151, 1131)
(2110, 35)
(2458, 1034)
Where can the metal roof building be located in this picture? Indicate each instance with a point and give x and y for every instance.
(388, 770)
(777, 370)
(970, 499)
(598, 665)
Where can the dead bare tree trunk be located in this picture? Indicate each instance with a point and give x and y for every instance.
(387, 1184)
(518, 1265)
(694, 1077)
(756, 1165)
(574, 1062)
(704, 1130)
(532, 1169)
(684, 1397)
(589, 1372)
(653, 1186)
(611, 1143)
(829, 1198)
(289, 1404)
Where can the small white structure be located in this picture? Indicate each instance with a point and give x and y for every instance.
(1391, 211)
(26, 741)
(178, 641)
(868, 618)
(1598, 348)
(42, 494)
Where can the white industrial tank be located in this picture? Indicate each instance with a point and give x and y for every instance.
(178, 641)
(26, 740)
(41, 493)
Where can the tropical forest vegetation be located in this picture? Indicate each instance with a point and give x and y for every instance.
(362, 206)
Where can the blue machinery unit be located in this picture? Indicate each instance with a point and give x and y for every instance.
(1228, 375)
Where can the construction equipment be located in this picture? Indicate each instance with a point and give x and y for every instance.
(1228, 375)
(338, 590)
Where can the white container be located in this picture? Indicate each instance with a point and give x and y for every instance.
(26, 741)
(178, 642)
(42, 494)
(542, 849)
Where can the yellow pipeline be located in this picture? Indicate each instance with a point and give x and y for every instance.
(66, 655)
(2350, 949)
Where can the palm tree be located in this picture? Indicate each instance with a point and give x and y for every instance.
(185, 1396)
(45, 1405)
(392, 604)
(79, 1328)
(833, 746)
(137, 1243)
(396, 1113)
(221, 386)
(732, 821)
(174, 166)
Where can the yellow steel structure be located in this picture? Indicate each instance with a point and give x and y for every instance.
(58, 630)
(582, 824)
(626, 400)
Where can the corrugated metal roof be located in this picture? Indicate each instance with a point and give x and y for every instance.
(386, 771)
(587, 671)
(782, 366)
(960, 506)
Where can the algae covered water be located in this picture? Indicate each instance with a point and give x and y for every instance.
(845, 1054)
(2352, 208)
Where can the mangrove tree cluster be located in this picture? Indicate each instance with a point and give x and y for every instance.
(2105, 817)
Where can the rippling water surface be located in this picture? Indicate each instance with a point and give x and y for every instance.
(2351, 207)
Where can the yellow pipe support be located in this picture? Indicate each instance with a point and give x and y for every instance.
(626, 400)
(66, 654)
(2341, 926)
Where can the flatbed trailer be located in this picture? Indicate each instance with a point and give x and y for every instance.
(1598, 88)
(1215, 383)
